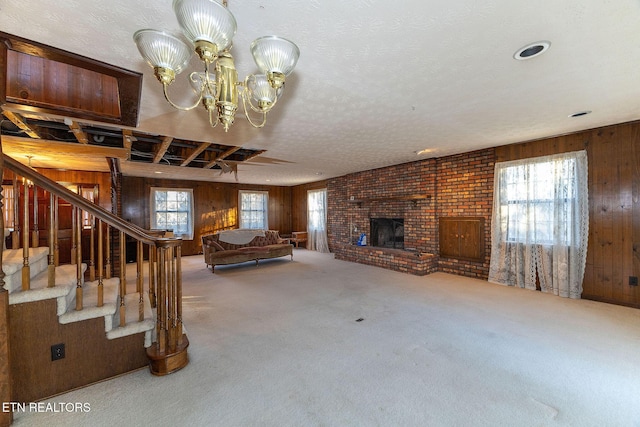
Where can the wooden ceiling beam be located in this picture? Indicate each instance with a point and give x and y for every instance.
(17, 120)
(252, 155)
(80, 135)
(222, 156)
(127, 141)
(203, 146)
(166, 142)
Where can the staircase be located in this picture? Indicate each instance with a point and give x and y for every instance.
(65, 294)
(70, 325)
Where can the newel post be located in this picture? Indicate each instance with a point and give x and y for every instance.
(6, 416)
(169, 353)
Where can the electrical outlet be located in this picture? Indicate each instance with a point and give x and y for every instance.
(57, 352)
(633, 280)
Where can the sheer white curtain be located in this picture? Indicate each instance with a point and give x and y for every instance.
(254, 208)
(317, 220)
(541, 223)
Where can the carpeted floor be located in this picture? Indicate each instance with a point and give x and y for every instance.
(320, 342)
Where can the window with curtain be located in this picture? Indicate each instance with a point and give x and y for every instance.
(254, 206)
(540, 223)
(172, 209)
(90, 193)
(8, 201)
(317, 220)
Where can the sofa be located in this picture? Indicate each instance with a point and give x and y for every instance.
(263, 244)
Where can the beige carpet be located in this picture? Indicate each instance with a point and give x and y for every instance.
(281, 345)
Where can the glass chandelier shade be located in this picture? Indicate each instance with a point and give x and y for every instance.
(209, 28)
(161, 49)
(260, 89)
(206, 20)
(275, 54)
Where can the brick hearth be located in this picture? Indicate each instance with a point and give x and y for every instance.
(411, 262)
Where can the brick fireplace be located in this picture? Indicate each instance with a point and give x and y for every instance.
(419, 193)
(402, 196)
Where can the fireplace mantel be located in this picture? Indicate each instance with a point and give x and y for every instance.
(401, 198)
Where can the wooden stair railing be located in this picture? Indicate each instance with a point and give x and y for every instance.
(164, 279)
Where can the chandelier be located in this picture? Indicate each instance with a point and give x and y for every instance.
(209, 28)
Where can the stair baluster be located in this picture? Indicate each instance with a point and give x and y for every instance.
(77, 233)
(56, 246)
(140, 281)
(152, 276)
(92, 255)
(123, 279)
(107, 260)
(100, 266)
(26, 270)
(15, 235)
(51, 258)
(161, 292)
(178, 285)
(74, 241)
(35, 233)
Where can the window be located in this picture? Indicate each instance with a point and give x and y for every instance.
(254, 206)
(90, 193)
(172, 209)
(8, 201)
(317, 209)
(540, 223)
(317, 220)
(537, 200)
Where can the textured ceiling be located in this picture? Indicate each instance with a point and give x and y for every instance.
(378, 81)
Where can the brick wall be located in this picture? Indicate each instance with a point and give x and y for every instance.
(465, 188)
(460, 185)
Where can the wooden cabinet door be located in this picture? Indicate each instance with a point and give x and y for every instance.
(462, 237)
(449, 245)
(470, 244)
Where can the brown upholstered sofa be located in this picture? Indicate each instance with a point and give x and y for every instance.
(217, 252)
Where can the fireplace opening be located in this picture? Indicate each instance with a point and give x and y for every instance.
(387, 232)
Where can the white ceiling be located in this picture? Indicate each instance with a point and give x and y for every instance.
(378, 81)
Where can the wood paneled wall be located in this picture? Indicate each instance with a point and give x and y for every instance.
(89, 356)
(102, 179)
(43, 83)
(215, 206)
(613, 253)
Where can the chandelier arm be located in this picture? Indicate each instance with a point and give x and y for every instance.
(213, 123)
(166, 96)
(246, 113)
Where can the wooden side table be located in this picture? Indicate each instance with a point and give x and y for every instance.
(298, 237)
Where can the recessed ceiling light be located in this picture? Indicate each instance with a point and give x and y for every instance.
(157, 171)
(532, 50)
(580, 113)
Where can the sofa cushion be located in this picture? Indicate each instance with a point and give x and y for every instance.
(216, 246)
(253, 249)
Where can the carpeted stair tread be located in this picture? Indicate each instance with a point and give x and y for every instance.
(133, 325)
(12, 262)
(90, 309)
(66, 278)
